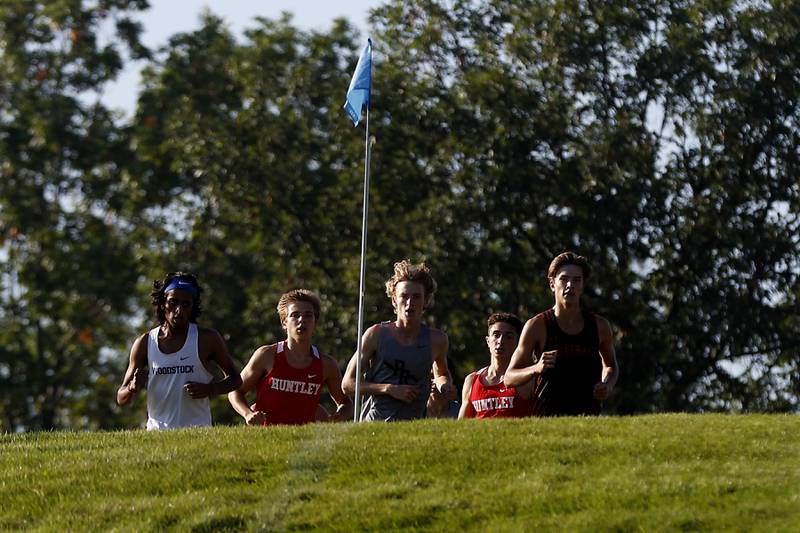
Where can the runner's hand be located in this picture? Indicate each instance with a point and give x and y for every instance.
(547, 360)
(139, 380)
(448, 391)
(198, 390)
(256, 418)
(404, 393)
(601, 391)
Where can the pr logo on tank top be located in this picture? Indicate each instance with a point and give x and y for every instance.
(399, 370)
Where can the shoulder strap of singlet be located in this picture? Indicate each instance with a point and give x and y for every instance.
(549, 316)
(479, 375)
(589, 317)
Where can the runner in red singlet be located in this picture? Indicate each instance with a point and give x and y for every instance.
(288, 375)
(568, 351)
(484, 394)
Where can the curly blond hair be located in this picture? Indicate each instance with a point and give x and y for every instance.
(405, 270)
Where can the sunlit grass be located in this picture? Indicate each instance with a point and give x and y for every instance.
(666, 472)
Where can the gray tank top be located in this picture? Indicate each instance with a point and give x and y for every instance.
(400, 365)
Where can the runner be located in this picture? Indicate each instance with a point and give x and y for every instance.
(484, 394)
(568, 350)
(172, 359)
(288, 376)
(398, 356)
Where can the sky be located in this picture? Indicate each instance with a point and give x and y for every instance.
(168, 17)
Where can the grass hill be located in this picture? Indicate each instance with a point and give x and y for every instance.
(646, 473)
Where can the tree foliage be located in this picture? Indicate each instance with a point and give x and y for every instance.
(657, 138)
(67, 271)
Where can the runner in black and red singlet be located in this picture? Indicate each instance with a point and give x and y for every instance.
(568, 351)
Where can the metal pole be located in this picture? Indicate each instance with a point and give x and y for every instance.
(361, 290)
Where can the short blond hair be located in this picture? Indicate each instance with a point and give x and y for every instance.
(298, 295)
(405, 270)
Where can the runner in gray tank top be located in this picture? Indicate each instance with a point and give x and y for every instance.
(398, 356)
(398, 364)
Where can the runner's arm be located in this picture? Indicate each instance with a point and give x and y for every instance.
(609, 357)
(441, 374)
(260, 363)
(522, 369)
(467, 410)
(213, 347)
(333, 380)
(136, 375)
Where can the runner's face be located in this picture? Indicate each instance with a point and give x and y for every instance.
(568, 284)
(409, 300)
(300, 320)
(178, 308)
(502, 340)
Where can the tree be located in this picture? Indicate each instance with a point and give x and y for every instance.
(732, 227)
(507, 132)
(66, 267)
(553, 142)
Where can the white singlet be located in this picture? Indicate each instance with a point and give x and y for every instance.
(168, 405)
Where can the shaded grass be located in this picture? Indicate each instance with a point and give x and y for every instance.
(664, 472)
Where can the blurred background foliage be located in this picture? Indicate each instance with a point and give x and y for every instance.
(658, 138)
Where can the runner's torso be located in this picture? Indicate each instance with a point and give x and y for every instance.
(168, 405)
(290, 395)
(400, 364)
(496, 401)
(568, 388)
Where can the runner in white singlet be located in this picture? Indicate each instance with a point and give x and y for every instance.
(172, 359)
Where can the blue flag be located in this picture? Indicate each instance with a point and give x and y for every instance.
(359, 92)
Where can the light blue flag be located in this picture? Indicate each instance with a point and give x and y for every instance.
(359, 92)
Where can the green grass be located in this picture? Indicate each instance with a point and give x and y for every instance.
(650, 473)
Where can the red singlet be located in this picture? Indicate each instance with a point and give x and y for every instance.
(495, 401)
(290, 395)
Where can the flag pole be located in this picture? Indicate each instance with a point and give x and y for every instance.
(359, 94)
(362, 282)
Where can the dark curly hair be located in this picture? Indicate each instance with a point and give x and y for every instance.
(509, 318)
(158, 299)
